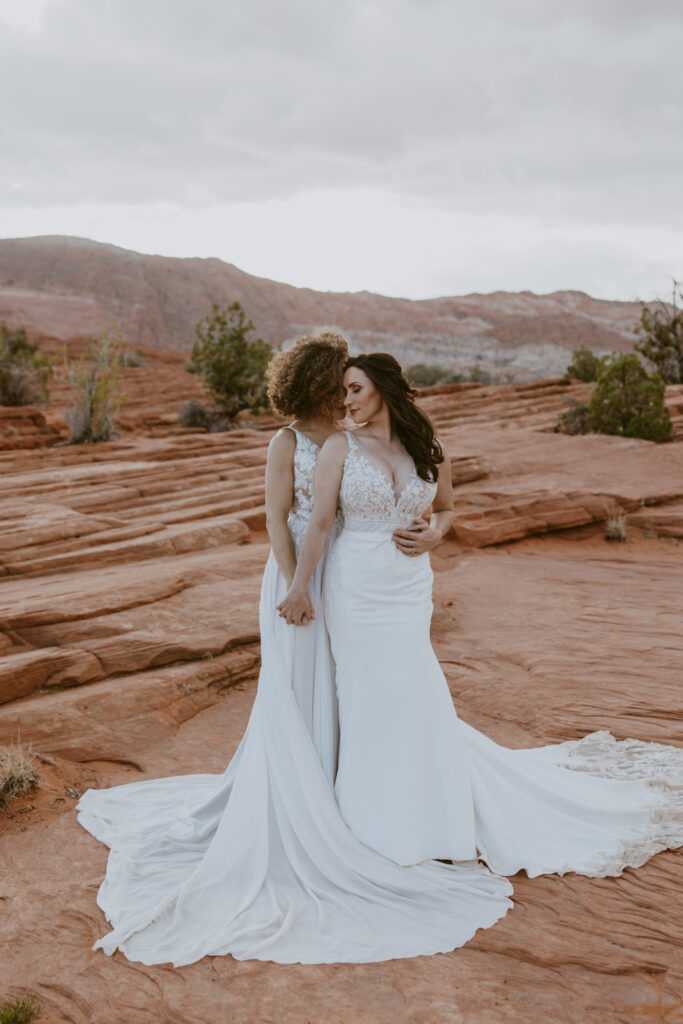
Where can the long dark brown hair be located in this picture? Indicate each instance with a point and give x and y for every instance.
(412, 427)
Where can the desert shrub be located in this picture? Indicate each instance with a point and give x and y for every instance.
(194, 414)
(24, 371)
(574, 420)
(629, 401)
(661, 337)
(17, 773)
(20, 1010)
(95, 382)
(129, 358)
(453, 378)
(425, 375)
(480, 376)
(585, 365)
(616, 528)
(231, 364)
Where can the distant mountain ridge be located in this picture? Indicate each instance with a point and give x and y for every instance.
(72, 287)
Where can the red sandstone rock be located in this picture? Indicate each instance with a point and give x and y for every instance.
(129, 650)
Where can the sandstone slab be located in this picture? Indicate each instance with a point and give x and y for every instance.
(147, 667)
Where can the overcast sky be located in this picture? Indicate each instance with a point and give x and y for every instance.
(410, 147)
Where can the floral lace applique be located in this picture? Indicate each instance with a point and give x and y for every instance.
(658, 765)
(367, 497)
(305, 457)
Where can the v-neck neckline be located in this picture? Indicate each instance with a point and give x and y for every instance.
(377, 468)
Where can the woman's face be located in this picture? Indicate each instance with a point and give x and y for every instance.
(340, 408)
(363, 401)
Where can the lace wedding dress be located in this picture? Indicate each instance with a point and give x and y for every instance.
(258, 862)
(414, 782)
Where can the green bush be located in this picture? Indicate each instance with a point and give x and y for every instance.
(585, 365)
(24, 371)
(95, 382)
(629, 402)
(21, 1010)
(232, 365)
(661, 333)
(575, 420)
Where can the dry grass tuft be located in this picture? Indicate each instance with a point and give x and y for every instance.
(16, 773)
(20, 1010)
(616, 528)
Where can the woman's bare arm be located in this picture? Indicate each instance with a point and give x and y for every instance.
(328, 475)
(279, 496)
(421, 537)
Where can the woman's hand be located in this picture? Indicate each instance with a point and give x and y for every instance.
(296, 608)
(416, 539)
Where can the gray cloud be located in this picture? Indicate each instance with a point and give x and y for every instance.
(555, 111)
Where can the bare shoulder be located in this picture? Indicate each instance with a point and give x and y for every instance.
(336, 443)
(444, 448)
(333, 452)
(282, 446)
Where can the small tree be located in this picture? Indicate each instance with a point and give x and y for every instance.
(231, 365)
(585, 365)
(630, 402)
(24, 371)
(661, 337)
(95, 380)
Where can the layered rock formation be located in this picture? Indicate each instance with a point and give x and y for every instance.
(129, 649)
(73, 287)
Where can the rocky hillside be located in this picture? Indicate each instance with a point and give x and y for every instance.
(69, 287)
(129, 649)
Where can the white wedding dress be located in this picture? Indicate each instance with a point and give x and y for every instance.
(313, 851)
(413, 781)
(258, 862)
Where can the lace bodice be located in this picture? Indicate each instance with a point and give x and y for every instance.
(367, 498)
(305, 457)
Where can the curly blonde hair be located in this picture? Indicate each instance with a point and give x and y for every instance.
(306, 379)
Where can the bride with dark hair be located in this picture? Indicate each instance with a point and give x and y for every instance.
(413, 781)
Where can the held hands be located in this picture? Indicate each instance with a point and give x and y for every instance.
(296, 608)
(416, 539)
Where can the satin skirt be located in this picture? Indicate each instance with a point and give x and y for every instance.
(414, 782)
(258, 862)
